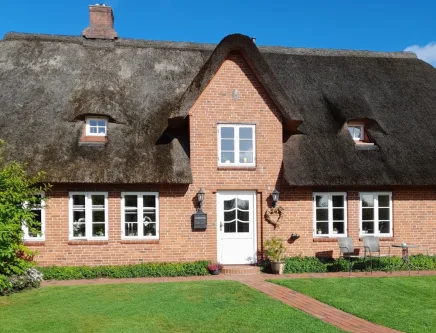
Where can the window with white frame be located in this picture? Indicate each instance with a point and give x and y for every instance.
(236, 145)
(39, 211)
(330, 214)
(88, 215)
(376, 214)
(357, 131)
(96, 126)
(140, 215)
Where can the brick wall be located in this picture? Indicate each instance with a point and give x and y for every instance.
(413, 210)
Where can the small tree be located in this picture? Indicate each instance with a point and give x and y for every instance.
(19, 194)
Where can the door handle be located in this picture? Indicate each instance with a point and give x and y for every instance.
(221, 225)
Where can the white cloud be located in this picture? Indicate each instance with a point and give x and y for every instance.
(426, 53)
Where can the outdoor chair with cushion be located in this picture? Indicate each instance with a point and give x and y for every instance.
(346, 248)
(372, 248)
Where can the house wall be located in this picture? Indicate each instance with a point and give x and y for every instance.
(413, 210)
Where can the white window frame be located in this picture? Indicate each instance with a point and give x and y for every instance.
(376, 215)
(88, 216)
(330, 215)
(88, 126)
(26, 236)
(236, 128)
(362, 131)
(140, 207)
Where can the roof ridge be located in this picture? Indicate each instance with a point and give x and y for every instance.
(127, 42)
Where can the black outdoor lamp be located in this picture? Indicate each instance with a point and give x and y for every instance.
(275, 197)
(200, 198)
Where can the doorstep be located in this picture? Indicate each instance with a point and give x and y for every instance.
(240, 270)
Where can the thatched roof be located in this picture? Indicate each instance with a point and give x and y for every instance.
(49, 83)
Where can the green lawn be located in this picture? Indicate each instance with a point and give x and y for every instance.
(212, 306)
(407, 304)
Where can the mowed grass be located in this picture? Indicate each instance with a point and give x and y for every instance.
(209, 306)
(407, 304)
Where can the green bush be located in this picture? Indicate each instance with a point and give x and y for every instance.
(30, 278)
(128, 271)
(319, 265)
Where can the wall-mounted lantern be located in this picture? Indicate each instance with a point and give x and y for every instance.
(275, 196)
(199, 219)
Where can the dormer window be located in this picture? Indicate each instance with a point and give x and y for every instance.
(96, 127)
(357, 131)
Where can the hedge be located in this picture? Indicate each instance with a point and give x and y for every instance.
(321, 265)
(126, 271)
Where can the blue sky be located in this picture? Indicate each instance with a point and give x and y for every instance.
(379, 25)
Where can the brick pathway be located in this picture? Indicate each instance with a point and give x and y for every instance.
(327, 313)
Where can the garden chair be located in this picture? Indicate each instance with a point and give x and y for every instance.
(346, 248)
(372, 248)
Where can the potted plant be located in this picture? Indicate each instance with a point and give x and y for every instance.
(215, 269)
(335, 230)
(275, 251)
(319, 231)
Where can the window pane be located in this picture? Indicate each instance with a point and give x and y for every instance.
(245, 133)
(383, 214)
(246, 157)
(227, 132)
(97, 200)
(38, 215)
(101, 123)
(149, 201)
(351, 130)
(384, 227)
(339, 226)
(98, 216)
(338, 200)
(245, 145)
(322, 215)
(368, 214)
(79, 200)
(243, 204)
(131, 216)
(338, 214)
(98, 230)
(368, 227)
(78, 216)
(227, 145)
(93, 123)
(150, 229)
(228, 157)
(130, 201)
(93, 130)
(322, 228)
(367, 200)
(321, 201)
(243, 227)
(149, 217)
(243, 216)
(383, 200)
(230, 227)
(229, 204)
(357, 133)
(101, 130)
(79, 230)
(131, 229)
(230, 216)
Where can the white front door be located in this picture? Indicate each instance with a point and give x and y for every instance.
(236, 227)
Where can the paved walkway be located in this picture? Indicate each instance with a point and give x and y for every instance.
(327, 313)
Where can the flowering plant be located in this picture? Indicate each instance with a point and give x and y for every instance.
(214, 267)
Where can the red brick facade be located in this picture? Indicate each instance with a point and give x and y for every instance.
(413, 210)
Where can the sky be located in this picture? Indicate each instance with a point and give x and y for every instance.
(377, 25)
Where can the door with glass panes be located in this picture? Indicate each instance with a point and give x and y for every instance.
(236, 215)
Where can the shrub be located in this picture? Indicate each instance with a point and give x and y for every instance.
(275, 249)
(304, 265)
(127, 271)
(31, 278)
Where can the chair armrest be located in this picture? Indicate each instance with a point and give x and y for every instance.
(344, 247)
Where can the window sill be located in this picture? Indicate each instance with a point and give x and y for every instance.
(382, 239)
(237, 168)
(88, 242)
(325, 239)
(34, 242)
(140, 241)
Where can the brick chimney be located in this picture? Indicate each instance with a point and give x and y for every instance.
(102, 23)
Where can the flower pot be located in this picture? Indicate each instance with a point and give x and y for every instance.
(215, 272)
(277, 267)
